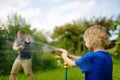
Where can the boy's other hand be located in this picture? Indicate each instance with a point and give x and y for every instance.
(62, 50)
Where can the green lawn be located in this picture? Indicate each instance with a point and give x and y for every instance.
(58, 74)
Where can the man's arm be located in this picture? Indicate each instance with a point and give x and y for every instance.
(28, 39)
(16, 48)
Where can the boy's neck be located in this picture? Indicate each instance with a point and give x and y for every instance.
(99, 49)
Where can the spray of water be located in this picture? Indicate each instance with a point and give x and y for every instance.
(35, 46)
(43, 46)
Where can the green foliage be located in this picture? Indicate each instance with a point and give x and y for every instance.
(117, 43)
(15, 23)
(6, 55)
(40, 37)
(43, 61)
(117, 51)
(70, 35)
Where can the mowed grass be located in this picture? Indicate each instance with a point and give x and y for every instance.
(116, 70)
(58, 74)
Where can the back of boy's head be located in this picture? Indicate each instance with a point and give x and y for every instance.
(97, 36)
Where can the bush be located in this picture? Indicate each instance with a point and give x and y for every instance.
(117, 52)
(43, 61)
(7, 55)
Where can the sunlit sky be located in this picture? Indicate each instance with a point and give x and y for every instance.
(46, 14)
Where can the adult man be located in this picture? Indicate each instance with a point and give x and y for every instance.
(23, 60)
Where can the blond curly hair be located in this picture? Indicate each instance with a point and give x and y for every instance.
(97, 36)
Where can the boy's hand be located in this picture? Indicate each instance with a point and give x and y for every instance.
(64, 52)
(64, 55)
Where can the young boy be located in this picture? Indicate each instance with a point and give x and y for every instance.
(96, 64)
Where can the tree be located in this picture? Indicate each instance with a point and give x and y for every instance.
(117, 51)
(2, 48)
(72, 33)
(70, 36)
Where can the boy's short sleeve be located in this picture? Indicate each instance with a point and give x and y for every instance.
(84, 62)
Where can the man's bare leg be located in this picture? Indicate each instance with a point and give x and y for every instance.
(12, 76)
(30, 76)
